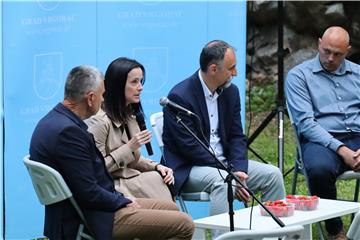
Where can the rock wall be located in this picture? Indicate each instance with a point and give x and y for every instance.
(303, 23)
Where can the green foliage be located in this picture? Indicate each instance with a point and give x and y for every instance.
(262, 98)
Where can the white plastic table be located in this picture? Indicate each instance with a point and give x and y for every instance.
(326, 209)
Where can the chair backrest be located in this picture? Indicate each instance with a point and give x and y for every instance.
(288, 232)
(50, 188)
(49, 185)
(157, 122)
(297, 138)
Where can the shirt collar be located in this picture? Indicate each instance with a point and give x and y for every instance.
(102, 114)
(64, 110)
(343, 69)
(119, 124)
(207, 92)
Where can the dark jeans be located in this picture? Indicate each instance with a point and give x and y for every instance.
(323, 166)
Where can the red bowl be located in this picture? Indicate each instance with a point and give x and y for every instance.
(303, 203)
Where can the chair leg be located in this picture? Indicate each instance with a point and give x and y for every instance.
(320, 231)
(294, 180)
(81, 234)
(86, 236)
(80, 231)
(182, 204)
(356, 194)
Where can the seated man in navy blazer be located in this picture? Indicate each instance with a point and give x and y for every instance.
(62, 142)
(210, 94)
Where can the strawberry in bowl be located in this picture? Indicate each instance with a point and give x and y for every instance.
(302, 202)
(279, 208)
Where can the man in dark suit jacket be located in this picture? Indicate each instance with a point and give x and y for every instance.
(61, 141)
(210, 94)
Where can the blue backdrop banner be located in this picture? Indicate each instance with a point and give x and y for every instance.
(43, 40)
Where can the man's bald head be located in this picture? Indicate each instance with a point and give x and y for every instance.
(337, 34)
(333, 47)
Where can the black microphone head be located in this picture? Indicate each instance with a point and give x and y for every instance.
(139, 116)
(164, 101)
(140, 120)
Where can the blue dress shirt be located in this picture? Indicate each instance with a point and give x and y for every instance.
(322, 103)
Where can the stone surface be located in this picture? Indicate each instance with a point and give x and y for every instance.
(303, 23)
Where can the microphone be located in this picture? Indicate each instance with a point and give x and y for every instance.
(165, 102)
(141, 122)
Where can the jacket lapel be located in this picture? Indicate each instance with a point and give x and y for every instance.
(222, 114)
(200, 98)
(133, 129)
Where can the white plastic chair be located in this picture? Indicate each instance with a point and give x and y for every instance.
(354, 230)
(288, 232)
(51, 188)
(156, 120)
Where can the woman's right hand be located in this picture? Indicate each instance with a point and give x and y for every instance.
(139, 139)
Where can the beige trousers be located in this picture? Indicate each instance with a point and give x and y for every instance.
(155, 219)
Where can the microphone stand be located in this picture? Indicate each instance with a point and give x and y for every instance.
(230, 197)
(228, 179)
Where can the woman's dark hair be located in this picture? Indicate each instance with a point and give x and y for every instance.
(114, 96)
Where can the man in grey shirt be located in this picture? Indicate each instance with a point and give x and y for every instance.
(323, 96)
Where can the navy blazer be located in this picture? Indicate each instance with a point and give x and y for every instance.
(61, 141)
(182, 151)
